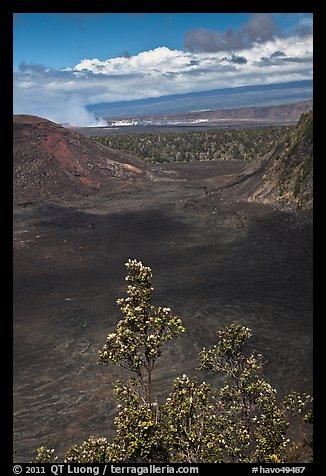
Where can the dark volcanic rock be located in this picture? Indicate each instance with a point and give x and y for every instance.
(216, 259)
(52, 163)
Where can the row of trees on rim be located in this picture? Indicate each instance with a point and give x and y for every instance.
(241, 144)
(243, 421)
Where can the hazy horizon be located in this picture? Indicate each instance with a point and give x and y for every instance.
(217, 99)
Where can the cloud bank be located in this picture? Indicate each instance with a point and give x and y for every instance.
(254, 55)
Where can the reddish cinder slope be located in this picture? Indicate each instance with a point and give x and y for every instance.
(51, 162)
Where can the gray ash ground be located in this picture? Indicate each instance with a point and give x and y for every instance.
(215, 260)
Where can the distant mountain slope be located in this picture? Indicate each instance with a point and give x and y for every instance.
(276, 114)
(288, 178)
(52, 163)
(217, 99)
(280, 113)
(240, 117)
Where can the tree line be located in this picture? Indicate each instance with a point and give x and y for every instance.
(239, 144)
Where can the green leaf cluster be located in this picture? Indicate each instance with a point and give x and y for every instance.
(137, 342)
(243, 420)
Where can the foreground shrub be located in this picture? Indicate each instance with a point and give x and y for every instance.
(243, 421)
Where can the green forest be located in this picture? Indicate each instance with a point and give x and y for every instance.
(239, 144)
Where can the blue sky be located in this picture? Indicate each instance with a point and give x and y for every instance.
(72, 60)
(62, 40)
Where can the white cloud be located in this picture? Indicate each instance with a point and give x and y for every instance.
(62, 95)
(158, 60)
